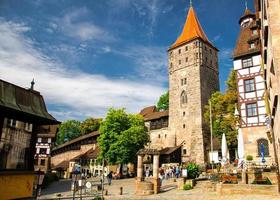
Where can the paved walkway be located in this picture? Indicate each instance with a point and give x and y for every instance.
(169, 193)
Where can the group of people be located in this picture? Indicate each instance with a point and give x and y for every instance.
(170, 172)
(166, 172)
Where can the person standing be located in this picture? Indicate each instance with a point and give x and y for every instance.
(109, 177)
(177, 172)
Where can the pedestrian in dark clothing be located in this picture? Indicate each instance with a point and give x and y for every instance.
(109, 177)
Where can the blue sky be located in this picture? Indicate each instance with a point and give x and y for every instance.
(87, 56)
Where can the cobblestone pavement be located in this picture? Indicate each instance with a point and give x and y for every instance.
(170, 192)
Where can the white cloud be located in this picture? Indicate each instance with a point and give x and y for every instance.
(225, 54)
(72, 25)
(150, 61)
(216, 38)
(76, 93)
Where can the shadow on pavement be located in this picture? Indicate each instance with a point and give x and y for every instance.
(57, 187)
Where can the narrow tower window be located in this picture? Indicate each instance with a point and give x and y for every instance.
(179, 51)
(187, 59)
(186, 48)
(183, 97)
(179, 62)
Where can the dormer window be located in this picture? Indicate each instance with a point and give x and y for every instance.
(252, 45)
(246, 24)
(255, 32)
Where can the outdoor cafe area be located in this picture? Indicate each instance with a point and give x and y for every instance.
(243, 175)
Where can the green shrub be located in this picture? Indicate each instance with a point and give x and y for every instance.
(265, 181)
(187, 187)
(249, 157)
(193, 170)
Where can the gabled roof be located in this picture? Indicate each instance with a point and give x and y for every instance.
(24, 103)
(192, 30)
(156, 115)
(147, 110)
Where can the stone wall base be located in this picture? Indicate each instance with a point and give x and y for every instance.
(229, 189)
(144, 188)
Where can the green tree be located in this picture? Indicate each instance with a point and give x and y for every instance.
(121, 136)
(89, 125)
(163, 102)
(223, 106)
(67, 131)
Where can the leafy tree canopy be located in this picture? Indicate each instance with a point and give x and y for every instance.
(121, 136)
(68, 130)
(223, 106)
(90, 125)
(163, 102)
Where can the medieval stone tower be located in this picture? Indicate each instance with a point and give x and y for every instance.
(193, 77)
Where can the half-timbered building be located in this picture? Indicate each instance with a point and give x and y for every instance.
(251, 87)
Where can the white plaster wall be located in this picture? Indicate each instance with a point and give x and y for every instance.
(237, 64)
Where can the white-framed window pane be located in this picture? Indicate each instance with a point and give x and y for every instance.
(249, 85)
(251, 109)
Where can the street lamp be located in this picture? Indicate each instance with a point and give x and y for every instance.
(39, 180)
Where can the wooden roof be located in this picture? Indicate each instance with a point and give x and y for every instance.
(78, 139)
(90, 154)
(156, 115)
(24, 103)
(168, 150)
(150, 113)
(147, 110)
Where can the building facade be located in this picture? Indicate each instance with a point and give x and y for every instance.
(44, 144)
(269, 19)
(247, 62)
(193, 77)
(22, 112)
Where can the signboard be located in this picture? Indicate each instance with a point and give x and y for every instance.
(185, 173)
(88, 185)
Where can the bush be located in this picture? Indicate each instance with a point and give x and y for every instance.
(193, 170)
(249, 157)
(265, 181)
(187, 187)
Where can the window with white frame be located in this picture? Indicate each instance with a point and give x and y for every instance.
(247, 62)
(251, 109)
(249, 85)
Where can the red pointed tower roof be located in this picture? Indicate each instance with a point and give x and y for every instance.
(192, 30)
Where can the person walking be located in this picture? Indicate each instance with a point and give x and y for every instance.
(109, 177)
(177, 172)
